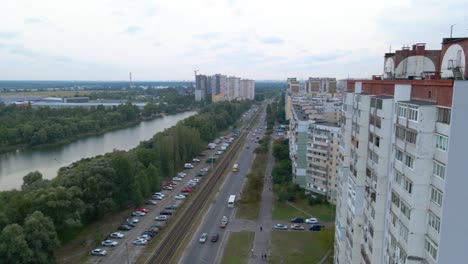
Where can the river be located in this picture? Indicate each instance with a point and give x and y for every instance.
(47, 160)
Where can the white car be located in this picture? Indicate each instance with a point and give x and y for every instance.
(222, 148)
(144, 237)
(205, 169)
(296, 227)
(157, 197)
(98, 252)
(188, 166)
(176, 179)
(140, 242)
(109, 243)
(168, 188)
(181, 174)
(311, 221)
(219, 152)
(161, 218)
(180, 197)
(138, 213)
(196, 160)
(117, 235)
(160, 194)
(194, 180)
(203, 238)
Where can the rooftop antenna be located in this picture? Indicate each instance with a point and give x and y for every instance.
(131, 82)
(390, 49)
(451, 29)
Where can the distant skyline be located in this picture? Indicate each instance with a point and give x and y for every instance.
(256, 39)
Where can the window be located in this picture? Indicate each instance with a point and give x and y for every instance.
(377, 141)
(431, 248)
(398, 177)
(371, 137)
(405, 209)
(378, 122)
(434, 222)
(399, 155)
(441, 142)
(412, 113)
(400, 132)
(409, 161)
(401, 111)
(443, 115)
(406, 134)
(395, 199)
(438, 169)
(372, 102)
(410, 136)
(407, 185)
(393, 218)
(436, 196)
(404, 231)
(379, 104)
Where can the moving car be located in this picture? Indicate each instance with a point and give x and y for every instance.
(188, 166)
(109, 243)
(140, 242)
(98, 252)
(224, 222)
(311, 221)
(214, 238)
(296, 227)
(297, 220)
(117, 235)
(161, 218)
(280, 227)
(203, 238)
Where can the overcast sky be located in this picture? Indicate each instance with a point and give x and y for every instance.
(258, 39)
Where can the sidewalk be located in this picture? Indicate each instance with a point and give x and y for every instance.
(262, 240)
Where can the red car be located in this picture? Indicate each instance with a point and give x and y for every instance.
(186, 190)
(143, 210)
(169, 184)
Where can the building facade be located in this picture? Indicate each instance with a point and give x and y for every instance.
(219, 87)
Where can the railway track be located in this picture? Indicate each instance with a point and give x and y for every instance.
(184, 221)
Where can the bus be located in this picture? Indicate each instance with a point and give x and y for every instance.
(231, 201)
(235, 167)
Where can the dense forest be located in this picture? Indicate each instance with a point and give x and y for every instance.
(35, 219)
(24, 126)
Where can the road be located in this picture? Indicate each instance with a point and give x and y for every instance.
(207, 252)
(125, 251)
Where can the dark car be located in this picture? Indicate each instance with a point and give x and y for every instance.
(160, 227)
(165, 212)
(316, 227)
(201, 173)
(297, 220)
(214, 238)
(149, 233)
(125, 227)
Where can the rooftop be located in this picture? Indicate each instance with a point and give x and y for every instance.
(418, 102)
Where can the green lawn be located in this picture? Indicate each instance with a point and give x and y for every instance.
(238, 247)
(283, 211)
(296, 247)
(248, 211)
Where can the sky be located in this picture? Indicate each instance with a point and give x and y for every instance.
(256, 39)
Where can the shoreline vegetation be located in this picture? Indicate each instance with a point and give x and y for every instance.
(43, 214)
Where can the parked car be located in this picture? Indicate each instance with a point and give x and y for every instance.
(160, 194)
(144, 210)
(203, 238)
(180, 197)
(280, 227)
(311, 221)
(297, 220)
(140, 242)
(133, 220)
(161, 218)
(165, 212)
(296, 227)
(176, 179)
(195, 160)
(187, 190)
(157, 197)
(171, 207)
(138, 213)
(201, 173)
(214, 238)
(158, 226)
(129, 223)
(117, 235)
(316, 227)
(205, 169)
(219, 152)
(124, 227)
(98, 252)
(144, 237)
(109, 243)
(188, 166)
(181, 174)
(151, 232)
(168, 188)
(151, 202)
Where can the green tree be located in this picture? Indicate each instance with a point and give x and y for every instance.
(13, 245)
(41, 237)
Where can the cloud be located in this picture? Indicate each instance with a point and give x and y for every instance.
(272, 40)
(325, 57)
(8, 35)
(218, 46)
(132, 30)
(32, 20)
(208, 36)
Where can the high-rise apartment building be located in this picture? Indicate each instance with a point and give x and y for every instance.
(294, 86)
(400, 183)
(314, 86)
(219, 87)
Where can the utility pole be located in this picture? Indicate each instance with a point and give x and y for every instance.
(451, 29)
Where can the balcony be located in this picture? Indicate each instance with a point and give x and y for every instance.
(364, 255)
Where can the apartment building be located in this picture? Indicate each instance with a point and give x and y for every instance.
(313, 134)
(400, 179)
(293, 86)
(219, 87)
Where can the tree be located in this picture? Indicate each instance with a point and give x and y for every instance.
(31, 179)
(41, 237)
(13, 245)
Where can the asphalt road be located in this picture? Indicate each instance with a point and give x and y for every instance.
(125, 251)
(197, 252)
